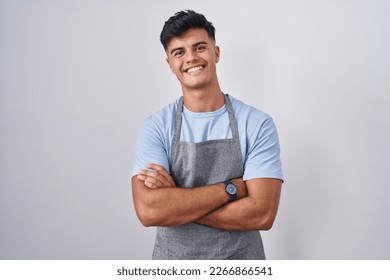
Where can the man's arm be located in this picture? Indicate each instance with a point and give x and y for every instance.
(254, 211)
(257, 211)
(158, 202)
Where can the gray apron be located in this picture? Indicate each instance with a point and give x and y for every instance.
(201, 164)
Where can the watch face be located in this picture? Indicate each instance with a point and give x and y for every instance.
(231, 189)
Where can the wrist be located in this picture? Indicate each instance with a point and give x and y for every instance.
(231, 190)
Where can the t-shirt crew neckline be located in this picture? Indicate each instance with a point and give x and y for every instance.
(198, 115)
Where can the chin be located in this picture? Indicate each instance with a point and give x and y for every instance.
(196, 84)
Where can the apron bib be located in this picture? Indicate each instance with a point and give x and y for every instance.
(201, 164)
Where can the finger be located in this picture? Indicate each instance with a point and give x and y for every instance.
(152, 177)
(165, 178)
(141, 177)
(160, 170)
(157, 183)
(150, 185)
(152, 174)
(155, 166)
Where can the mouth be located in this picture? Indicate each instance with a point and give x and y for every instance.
(194, 69)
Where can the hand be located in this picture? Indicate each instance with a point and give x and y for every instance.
(241, 187)
(158, 177)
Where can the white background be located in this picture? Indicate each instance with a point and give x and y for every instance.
(77, 78)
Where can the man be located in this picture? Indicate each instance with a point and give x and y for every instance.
(207, 170)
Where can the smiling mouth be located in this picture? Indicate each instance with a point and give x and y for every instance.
(194, 69)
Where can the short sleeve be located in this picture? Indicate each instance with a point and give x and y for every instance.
(150, 147)
(263, 153)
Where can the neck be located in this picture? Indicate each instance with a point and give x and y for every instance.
(203, 100)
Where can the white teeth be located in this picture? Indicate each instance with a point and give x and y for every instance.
(197, 68)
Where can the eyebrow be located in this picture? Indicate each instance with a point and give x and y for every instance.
(194, 45)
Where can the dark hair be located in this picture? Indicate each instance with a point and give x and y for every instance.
(181, 22)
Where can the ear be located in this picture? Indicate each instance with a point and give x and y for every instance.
(217, 53)
(167, 60)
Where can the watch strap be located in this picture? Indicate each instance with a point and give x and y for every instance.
(231, 196)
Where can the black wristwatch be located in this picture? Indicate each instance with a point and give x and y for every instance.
(231, 190)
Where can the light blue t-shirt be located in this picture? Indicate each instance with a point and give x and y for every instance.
(257, 132)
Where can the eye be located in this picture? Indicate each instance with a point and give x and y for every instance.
(200, 48)
(178, 53)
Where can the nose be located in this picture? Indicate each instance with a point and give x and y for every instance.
(191, 56)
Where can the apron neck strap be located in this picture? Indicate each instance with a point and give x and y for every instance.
(229, 107)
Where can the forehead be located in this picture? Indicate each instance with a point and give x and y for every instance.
(189, 38)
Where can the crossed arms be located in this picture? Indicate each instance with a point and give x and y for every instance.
(158, 202)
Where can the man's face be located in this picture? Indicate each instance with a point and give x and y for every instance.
(192, 57)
